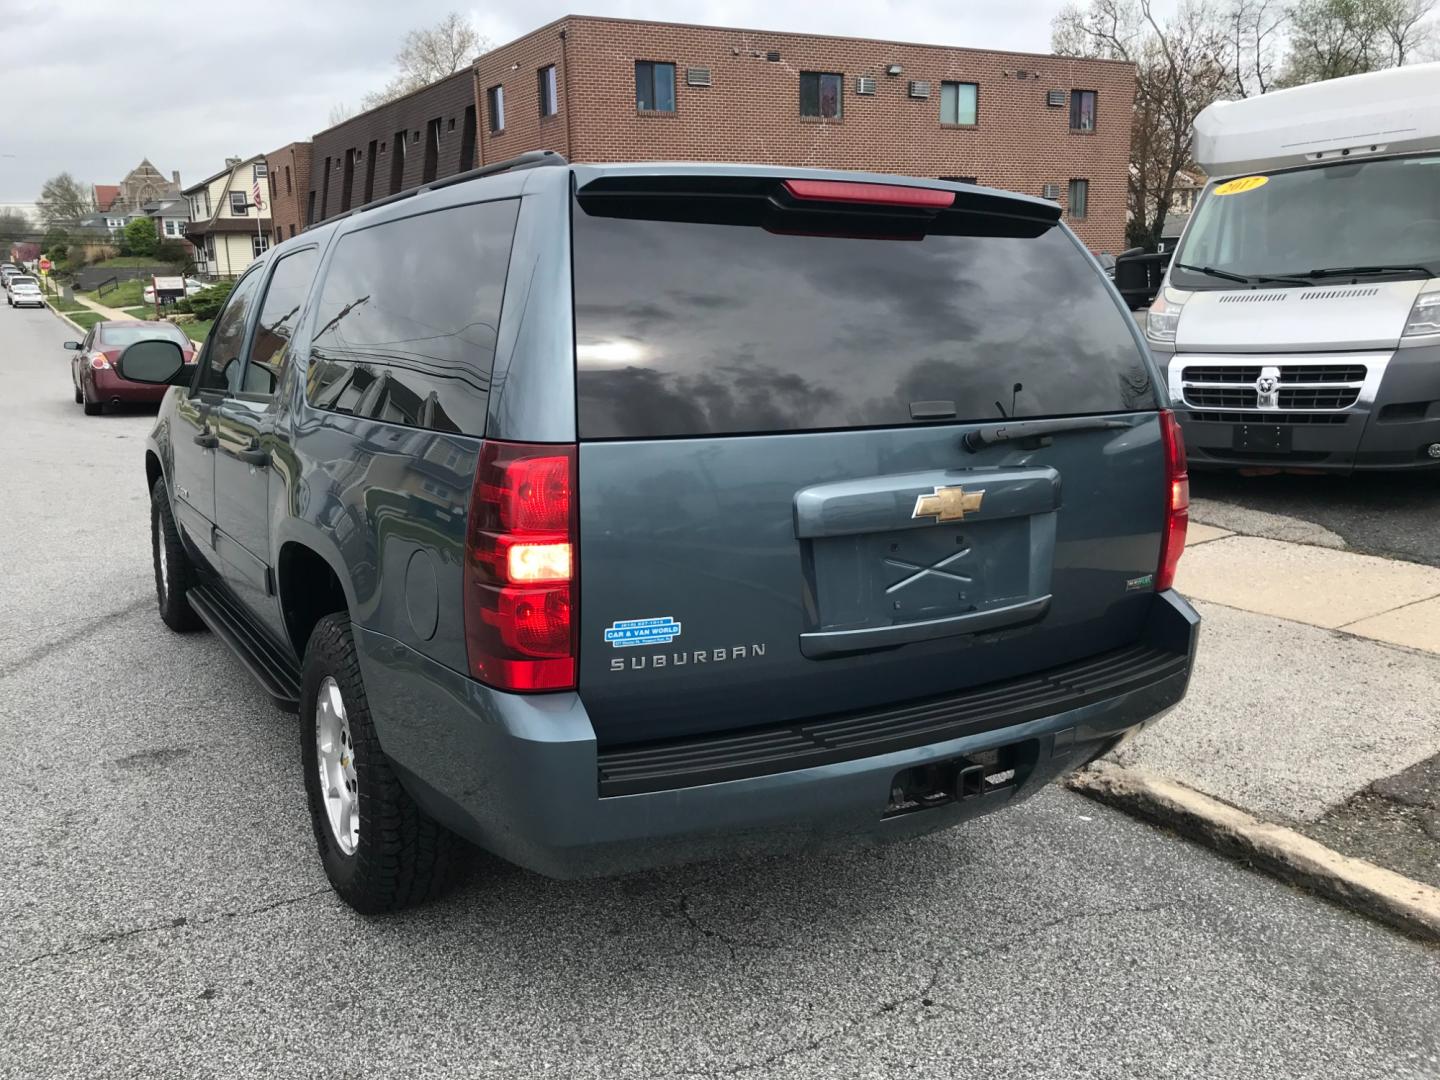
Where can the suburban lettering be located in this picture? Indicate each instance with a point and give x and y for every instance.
(637, 662)
(618, 664)
(757, 650)
(738, 652)
(700, 656)
(677, 659)
(658, 660)
(719, 654)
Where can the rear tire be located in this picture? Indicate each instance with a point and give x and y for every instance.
(79, 397)
(380, 851)
(92, 408)
(174, 572)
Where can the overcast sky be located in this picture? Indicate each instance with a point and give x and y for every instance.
(187, 85)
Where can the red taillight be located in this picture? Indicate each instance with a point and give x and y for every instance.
(850, 191)
(99, 360)
(520, 567)
(1177, 492)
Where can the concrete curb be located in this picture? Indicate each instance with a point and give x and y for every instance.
(1371, 890)
(61, 315)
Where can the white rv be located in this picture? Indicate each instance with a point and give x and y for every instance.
(1300, 317)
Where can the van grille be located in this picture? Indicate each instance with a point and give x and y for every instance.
(736, 755)
(1270, 418)
(1254, 298)
(1268, 387)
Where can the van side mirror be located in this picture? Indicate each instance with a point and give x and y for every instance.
(73, 346)
(1128, 252)
(156, 362)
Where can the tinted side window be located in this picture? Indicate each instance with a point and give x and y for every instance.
(691, 328)
(284, 297)
(408, 312)
(221, 370)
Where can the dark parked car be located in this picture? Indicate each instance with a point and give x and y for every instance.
(93, 375)
(611, 516)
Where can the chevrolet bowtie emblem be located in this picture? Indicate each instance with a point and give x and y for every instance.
(947, 504)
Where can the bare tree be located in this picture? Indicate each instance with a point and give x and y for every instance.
(339, 113)
(1256, 33)
(1181, 65)
(431, 54)
(15, 228)
(1330, 39)
(64, 200)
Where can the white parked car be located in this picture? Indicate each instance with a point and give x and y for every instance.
(192, 286)
(21, 291)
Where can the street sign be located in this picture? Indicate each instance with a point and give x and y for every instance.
(45, 264)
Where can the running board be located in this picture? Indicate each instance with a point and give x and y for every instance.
(273, 670)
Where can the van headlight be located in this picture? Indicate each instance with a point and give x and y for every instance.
(1164, 316)
(1425, 315)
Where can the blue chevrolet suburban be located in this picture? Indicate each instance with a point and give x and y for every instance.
(613, 516)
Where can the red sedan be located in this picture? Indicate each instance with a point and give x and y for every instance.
(92, 369)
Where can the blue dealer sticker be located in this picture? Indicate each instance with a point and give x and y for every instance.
(627, 632)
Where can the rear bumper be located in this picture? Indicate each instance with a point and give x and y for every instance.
(105, 385)
(522, 776)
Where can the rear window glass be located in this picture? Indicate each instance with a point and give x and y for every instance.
(691, 328)
(128, 335)
(407, 317)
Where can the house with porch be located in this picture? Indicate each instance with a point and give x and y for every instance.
(225, 223)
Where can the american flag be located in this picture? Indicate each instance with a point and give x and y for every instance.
(255, 196)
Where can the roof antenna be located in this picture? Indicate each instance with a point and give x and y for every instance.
(1014, 392)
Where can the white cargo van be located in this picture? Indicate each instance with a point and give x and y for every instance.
(1299, 321)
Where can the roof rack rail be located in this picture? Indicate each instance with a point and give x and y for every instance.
(529, 160)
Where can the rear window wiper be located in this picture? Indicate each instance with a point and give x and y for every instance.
(1033, 429)
(1347, 271)
(1243, 279)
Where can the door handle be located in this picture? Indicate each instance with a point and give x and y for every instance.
(207, 439)
(254, 456)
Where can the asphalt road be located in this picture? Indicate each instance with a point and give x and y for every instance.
(1394, 515)
(162, 912)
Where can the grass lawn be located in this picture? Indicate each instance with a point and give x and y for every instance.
(199, 329)
(147, 313)
(128, 294)
(85, 319)
(65, 305)
(130, 261)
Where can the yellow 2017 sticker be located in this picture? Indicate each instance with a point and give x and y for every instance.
(1243, 184)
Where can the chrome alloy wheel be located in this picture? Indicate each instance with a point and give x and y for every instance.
(335, 755)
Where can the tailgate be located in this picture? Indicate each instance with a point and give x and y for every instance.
(778, 518)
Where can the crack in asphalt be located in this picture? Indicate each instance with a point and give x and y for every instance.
(97, 623)
(922, 995)
(174, 924)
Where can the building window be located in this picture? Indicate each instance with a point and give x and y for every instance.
(1078, 201)
(654, 86)
(262, 170)
(259, 245)
(397, 163)
(820, 94)
(325, 191)
(347, 180)
(288, 189)
(1082, 110)
(959, 103)
(239, 204)
(495, 106)
(467, 140)
(370, 173)
(549, 91)
(432, 151)
(292, 230)
(172, 227)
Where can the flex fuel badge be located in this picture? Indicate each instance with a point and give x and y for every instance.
(1241, 185)
(624, 633)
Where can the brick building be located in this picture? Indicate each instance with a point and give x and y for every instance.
(632, 90)
(426, 135)
(289, 169)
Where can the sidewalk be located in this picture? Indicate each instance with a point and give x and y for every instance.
(1313, 703)
(115, 313)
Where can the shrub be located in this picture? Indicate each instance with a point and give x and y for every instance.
(138, 238)
(181, 307)
(206, 304)
(173, 252)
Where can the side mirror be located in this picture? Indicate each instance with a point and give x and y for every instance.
(156, 362)
(73, 346)
(1130, 251)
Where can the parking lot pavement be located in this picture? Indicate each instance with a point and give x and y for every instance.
(165, 915)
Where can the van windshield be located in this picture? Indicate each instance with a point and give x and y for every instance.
(698, 327)
(1291, 224)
